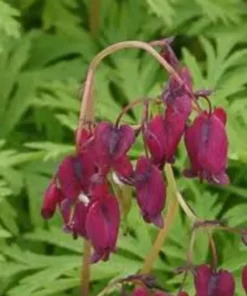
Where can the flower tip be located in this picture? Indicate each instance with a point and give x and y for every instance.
(47, 213)
(158, 221)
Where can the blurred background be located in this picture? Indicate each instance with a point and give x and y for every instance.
(45, 49)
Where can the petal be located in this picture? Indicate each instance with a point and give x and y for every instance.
(225, 284)
(201, 279)
(126, 140)
(154, 135)
(97, 227)
(68, 176)
(212, 152)
(52, 197)
(102, 224)
(79, 220)
(221, 115)
(124, 170)
(150, 189)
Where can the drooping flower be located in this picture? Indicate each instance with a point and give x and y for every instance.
(111, 143)
(213, 283)
(52, 197)
(207, 144)
(150, 191)
(244, 278)
(102, 224)
(163, 134)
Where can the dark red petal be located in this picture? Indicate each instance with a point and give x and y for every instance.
(52, 197)
(202, 278)
(124, 170)
(97, 227)
(244, 278)
(150, 189)
(112, 143)
(225, 284)
(154, 135)
(212, 152)
(85, 138)
(69, 177)
(126, 140)
(102, 224)
(221, 114)
(79, 219)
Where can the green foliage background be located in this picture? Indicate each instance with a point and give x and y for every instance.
(45, 48)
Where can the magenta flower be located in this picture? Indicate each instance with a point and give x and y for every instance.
(111, 143)
(244, 278)
(52, 197)
(163, 134)
(150, 191)
(211, 283)
(207, 144)
(102, 224)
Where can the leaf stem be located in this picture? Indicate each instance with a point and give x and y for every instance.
(85, 271)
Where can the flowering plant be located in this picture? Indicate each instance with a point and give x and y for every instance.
(89, 186)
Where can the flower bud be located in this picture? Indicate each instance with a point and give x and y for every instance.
(207, 144)
(111, 143)
(102, 224)
(52, 197)
(150, 191)
(211, 283)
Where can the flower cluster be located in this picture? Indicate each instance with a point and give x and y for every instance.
(81, 186)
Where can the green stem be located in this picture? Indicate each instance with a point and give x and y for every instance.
(85, 272)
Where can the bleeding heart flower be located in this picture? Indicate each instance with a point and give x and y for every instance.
(111, 143)
(207, 144)
(211, 283)
(150, 191)
(52, 197)
(244, 278)
(102, 224)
